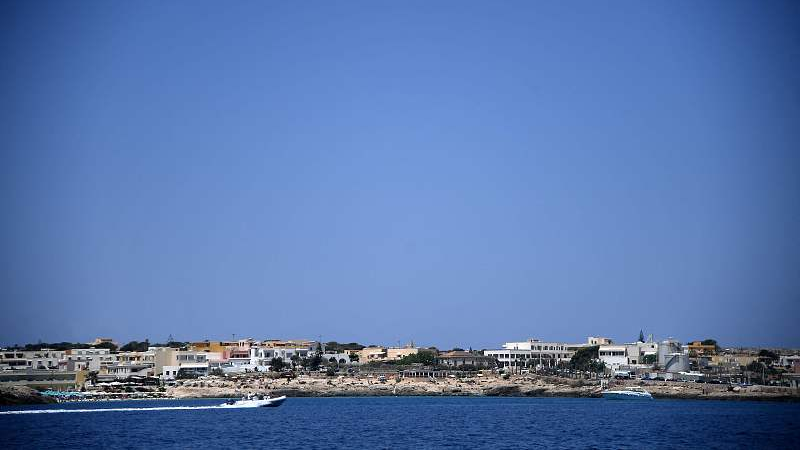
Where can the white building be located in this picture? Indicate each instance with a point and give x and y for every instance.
(339, 358)
(672, 357)
(92, 359)
(13, 360)
(190, 369)
(613, 356)
(531, 353)
(44, 359)
(789, 361)
(126, 370)
(262, 356)
(637, 351)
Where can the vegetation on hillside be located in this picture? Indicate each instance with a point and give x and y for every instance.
(422, 357)
(335, 347)
(62, 346)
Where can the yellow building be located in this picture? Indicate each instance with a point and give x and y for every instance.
(698, 348)
(209, 346)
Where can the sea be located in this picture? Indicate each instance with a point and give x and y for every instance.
(405, 423)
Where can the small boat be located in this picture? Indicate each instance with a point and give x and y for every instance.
(629, 393)
(254, 401)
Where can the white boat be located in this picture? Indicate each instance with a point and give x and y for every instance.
(629, 393)
(254, 401)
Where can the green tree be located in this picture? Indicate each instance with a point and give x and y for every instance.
(107, 345)
(755, 366)
(276, 364)
(171, 344)
(421, 357)
(767, 355)
(315, 361)
(641, 335)
(136, 346)
(61, 346)
(584, 358)
(597, 366)
(352, 346)
(649, 359)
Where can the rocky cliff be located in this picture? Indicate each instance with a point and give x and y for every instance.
(22, 395)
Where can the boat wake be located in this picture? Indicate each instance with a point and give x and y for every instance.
(157, 408)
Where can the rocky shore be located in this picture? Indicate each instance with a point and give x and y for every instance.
(361, 386)
(22, 395)
(517, 386)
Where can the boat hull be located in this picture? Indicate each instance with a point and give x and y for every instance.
(273, 402)
(265, 403)
(626, 396)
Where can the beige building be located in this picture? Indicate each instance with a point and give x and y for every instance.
(733, 359)
(592, 340)
(169, 362)
(393, 353)
(162, 356)
(147, 358)
(369, 354)
(290, 343)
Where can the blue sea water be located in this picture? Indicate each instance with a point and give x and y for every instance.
(409, 422)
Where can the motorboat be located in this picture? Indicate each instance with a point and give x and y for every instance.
(628, 393)
(254, 401)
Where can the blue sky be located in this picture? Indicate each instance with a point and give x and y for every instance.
(453, 173)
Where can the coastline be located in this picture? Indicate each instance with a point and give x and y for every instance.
(23, 395)
(516, 386)
(490, 386)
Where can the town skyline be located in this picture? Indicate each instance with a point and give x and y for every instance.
(396, 342)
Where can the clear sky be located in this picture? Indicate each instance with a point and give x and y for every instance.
(453, 173)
